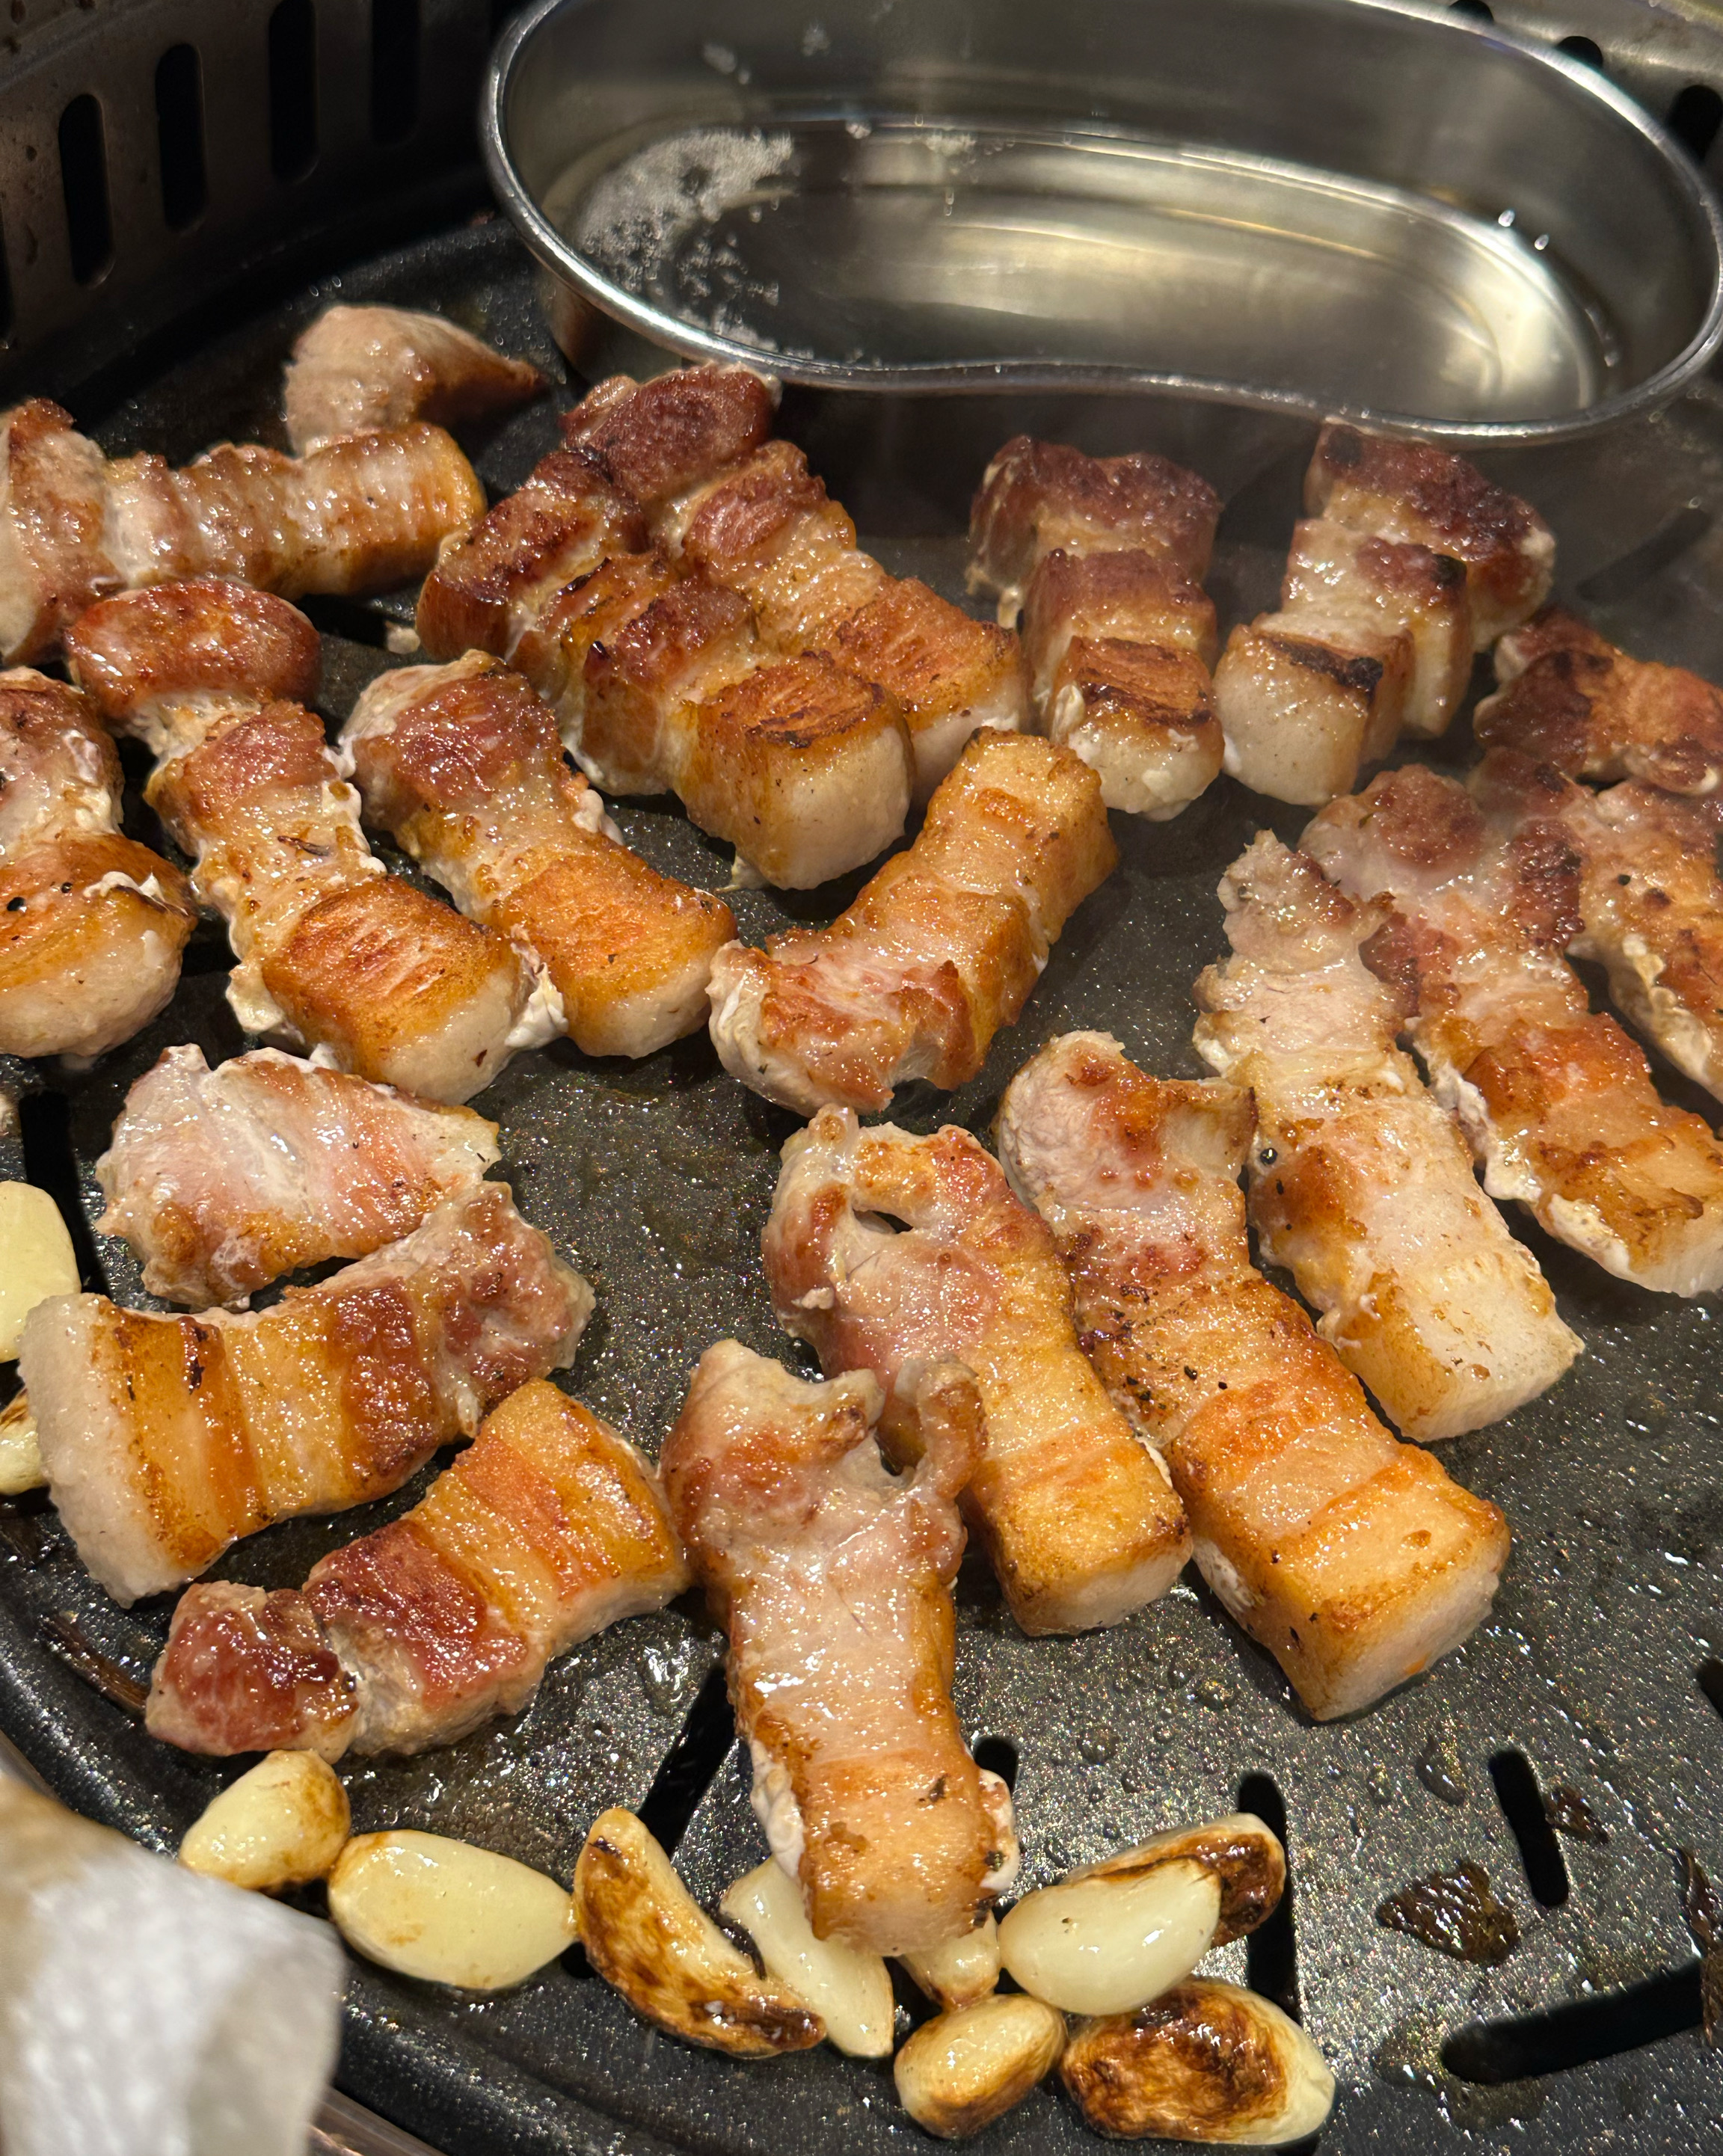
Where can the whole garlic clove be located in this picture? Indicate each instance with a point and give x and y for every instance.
(850, 1989)
(1242, 1851)
(36, 1259)
(442, 1910)
(960, 2071)
(281, 1824)
(20, 1455)
(963, 1970)
(1106, 1945)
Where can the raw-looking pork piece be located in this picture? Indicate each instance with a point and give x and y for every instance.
(1361, 1183)
(223, 1180)
(463, 766)
(548, 1528)
(1351, 1556)
(1557, 1100)
(886, 1252)
(91, 923)
(834, 1579)
(942, 948)
(332, 951)
(357, 369)
(165, 1440)
(357, 515)
(1571, 698)
(1104, 555)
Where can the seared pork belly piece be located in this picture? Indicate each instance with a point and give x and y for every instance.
(165, 1440)
(1359, 1182)
(939, 951)
(91, 923)
(464, 767)
(657, 438)
(834, 1578)
(1351, 1556)
(1558, 1103)
(550, 1528)
(358, 369)
(223, 1180)
(1304, 703)
(332, 951)
(886, 1252)
(1569, 698)
(359, 514)
(1388, 589)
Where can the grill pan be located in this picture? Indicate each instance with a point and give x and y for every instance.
(1598, 1672)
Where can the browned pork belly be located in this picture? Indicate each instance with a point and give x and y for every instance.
(834, 1579)
(886, 1251)
(463, 766)
(1360, 1184)
(550, 1528)
(1557, 1102)
(332, 951)
(91, 923)
(223, 1180)
(358, 369)
(359, 514)
(939, 951)
(1351, 1556)
(164, 1440)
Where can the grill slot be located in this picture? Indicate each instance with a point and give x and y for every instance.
(394, 69)
(692, 1763)
(1532, 2047)
(45, 1128)
(1522, 1802)
(84, 186)
(179, 124)
(1695, 118)
(292, 89)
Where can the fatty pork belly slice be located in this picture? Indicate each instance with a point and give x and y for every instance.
(1571, 698)
(886, 1252)
(92, 924)
(942, 948)
(1351, 1556)
(1558, 1103)
(1306, 701)
(332, 953)
(464, 767)
(1359, 1182)
(657, 438)
(224, 1180)
(165, 1440)
(360, 514)
(355, 369)
(547, 1529)
(1389, 587)
(835, 1578)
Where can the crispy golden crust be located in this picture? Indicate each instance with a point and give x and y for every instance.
(1038, 495)
(1125, 593)
(53, 562)
(656, 438)
(637, 664)
(210, 636)
(1596, 713)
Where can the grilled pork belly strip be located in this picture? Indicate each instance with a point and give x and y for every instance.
(357, 369)
(223, 1180)
(359, 514)
(1360, 1184)
(1351, 1556)
(464, 767)
(1077, 1517)
(331, 951)
(835, 1578)
(548, 1528)
(167, 1439)
(1558, 1104)
(91, 923)
(940, 950)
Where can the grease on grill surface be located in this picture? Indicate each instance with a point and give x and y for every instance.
(1703, 1910)
(1455, 1912)
(1567, 1811)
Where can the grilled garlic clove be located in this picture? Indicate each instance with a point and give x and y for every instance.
(283, 1823)
(850, 1989)
(1242, 1852)
(960, 2072)
(1206, 2063)
(20, 1456)
(36, 1259)
(644, 1932)
(1103, 1946)
(444, 1911)
(960, 1971)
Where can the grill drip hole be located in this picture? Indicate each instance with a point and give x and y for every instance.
(692, 1763)
(1586, 49)
(84, 183)
(292, 89)
(1695, 118)
(1522, 1803)
(998, 1755)
(1709, 1680)
(45, 1129)
(179, 135)
(1531, 2046)
(1480, 11)
(394, 69)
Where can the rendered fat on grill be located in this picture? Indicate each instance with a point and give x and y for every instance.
(1351, 1556)
(1558, 1103)
(92, 924)
(358, 369)
(941, 949)
(886, 1252)
(463, 766)
(835, 1580)
(165, 1440)
(550, 1528)
(1359, 1182)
